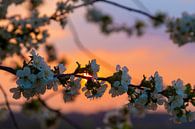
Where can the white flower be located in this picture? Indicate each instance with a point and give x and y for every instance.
(142, 99)
(182, 29)
(120, 86)
(75, 83)
(125, 79)
(179, 87)
(53, 83)
(118, 68)
(101, 90)
(176, 101)
(38, 61)
(35, 77)
(26, 79)
(96, 92)
(117, 89)
(95, 68)
(61, 68)
(158, 83)
(48, 74)
(72, 88)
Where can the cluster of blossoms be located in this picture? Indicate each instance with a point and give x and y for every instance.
(27, 32)
(176, 104)
(182, 30)
(36, 76)
(120, 81)
(72, 88)
(20, 32)
(93, 87)
(148, 97)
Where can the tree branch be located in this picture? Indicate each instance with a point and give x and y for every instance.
(9, 108)
(113, 4)
(8, 69)
(129, 9)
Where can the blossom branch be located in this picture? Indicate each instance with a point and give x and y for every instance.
(9, 108)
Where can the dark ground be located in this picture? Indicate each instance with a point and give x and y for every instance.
(151, 121)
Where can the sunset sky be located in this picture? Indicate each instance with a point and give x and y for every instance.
(142, 55)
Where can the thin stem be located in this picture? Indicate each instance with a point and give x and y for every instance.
(8, 69)
(136, 86)
(58, 113)
(80, 76)
(113, 4)
(117, 5)
(128, 8)
(9, 108)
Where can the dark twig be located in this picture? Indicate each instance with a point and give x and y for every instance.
(117, 5)
(9, 108)
(8, 69)
(129, 9)
(141, 5)
(59, 114)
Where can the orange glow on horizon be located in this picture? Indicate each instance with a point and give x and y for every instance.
(142, 55)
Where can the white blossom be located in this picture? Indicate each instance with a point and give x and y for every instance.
(158, 83)
(53, 84)
(61, 68)
(94, 67)
(38, 61)
(26, 78)
(120, 86)
(179, 87)
(96, 92)
(182, 29)
(72, 88)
